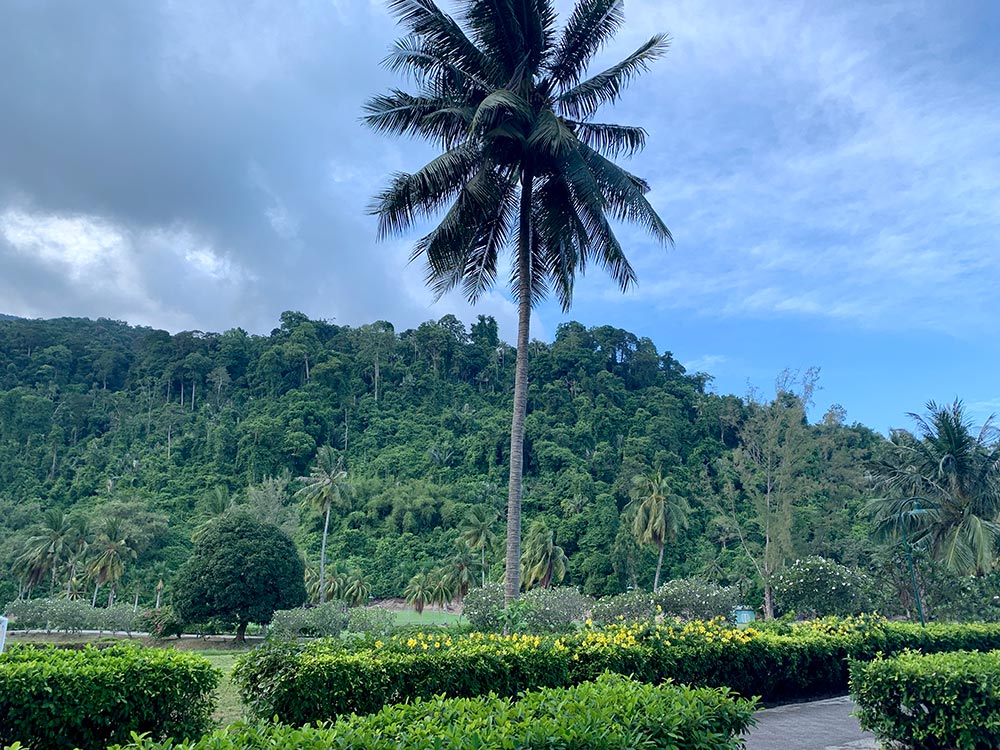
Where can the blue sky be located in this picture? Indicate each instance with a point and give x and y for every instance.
(830, 171)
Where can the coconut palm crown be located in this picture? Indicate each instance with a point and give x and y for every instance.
(525, 169)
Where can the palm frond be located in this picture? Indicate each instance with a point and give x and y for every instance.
(591, 24)
(434, 118)
(610, 140)
(584, 99)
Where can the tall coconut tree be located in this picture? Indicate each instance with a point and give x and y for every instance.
(524, 168)
(419, 591)
(941, 488)
(659, 513)
(324, 487)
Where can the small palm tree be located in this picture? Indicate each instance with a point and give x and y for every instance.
(419, 592)
(112, 549)
(478, 531)
(356, 588)
(659, 514)
(461, 569)
(324, 487)
(50, 546)
(525, 167)
(942, 489)
(443, 587)
(543, 561)
(79, 538)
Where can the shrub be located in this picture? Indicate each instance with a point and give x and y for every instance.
(483, 607)
(324, 679)
(632, 606)
(934, 702)
(610, 714)
(323, 620)
(816, 586)
(554, 610)
(71, 616)
(161, 623)
(89, 698)
(373, 621)
(694, 599)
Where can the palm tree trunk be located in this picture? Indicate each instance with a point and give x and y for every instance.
(512, 577)
(93, 602)
(659, 564)
(482, 564)
(322, 558)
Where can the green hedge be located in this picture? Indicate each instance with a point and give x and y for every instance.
(324, 679)
(612, 713)
(948, 701)
(56, 698)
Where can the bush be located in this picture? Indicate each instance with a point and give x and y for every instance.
(632, 606)
(373, 621)
(934, 702)
(324, 620)
(483, 607)
(816, 586)
(67, 615)
(694, 599)
(89, 698)
(554, 610)
(610, 714)
(161, 623)
(324, 679)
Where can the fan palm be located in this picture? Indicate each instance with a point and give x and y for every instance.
(477, 531)
(543, 561)
(942, 489)
(325, 486)
(524, 167)
(659, 514)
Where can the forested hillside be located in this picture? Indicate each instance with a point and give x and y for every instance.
(138, 437)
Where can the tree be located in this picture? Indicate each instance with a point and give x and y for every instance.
(477, 531)
(543, 561)
(241, 570)
(419, 591)
(659, 513)
(524, 167)
(324, 487)
(942, 489)
(111, 549)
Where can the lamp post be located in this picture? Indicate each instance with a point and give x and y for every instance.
(910, 514)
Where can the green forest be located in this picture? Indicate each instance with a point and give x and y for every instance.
(119, 444)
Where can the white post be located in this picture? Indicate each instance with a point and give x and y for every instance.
(3, 632)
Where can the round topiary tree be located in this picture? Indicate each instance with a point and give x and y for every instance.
(241, 570)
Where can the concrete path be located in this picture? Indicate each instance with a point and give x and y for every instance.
(819, 725)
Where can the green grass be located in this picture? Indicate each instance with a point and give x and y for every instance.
(429, 617)
(229, 707)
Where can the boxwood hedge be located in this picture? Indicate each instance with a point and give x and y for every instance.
(612, 713)
(301, 683)
(934, 702)
(57, 698)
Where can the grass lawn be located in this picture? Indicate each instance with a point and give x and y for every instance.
(228, 708)
(429, 617)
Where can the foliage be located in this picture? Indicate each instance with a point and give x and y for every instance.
(632, 606)
(323, 620)
(373, 621)
(695, 599)
(325, 679)
(161, 623)
(91, 698)
(555, 610)
(242, 570)
(947, 701)
(483, 607)
(816, 586)
(72, 616)
(612, 713)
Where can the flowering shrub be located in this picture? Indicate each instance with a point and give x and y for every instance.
(539, 610)
(327, 619)
(817, 586)
(694, 599)
(374, 621)
(628, 607)
(72, 616)
(161, 623)
(483, 607)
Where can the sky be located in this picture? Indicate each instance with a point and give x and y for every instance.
(830, 173)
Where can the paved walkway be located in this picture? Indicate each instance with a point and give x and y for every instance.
(819, 725)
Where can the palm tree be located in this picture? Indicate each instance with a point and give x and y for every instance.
(942, 489)
(418, 592)
(324, 486)
(524, 167)
(78, 541)
(462, 569)
(112, 550)
(477, 531)
(443, 587)
(659, 514)
(543, 561)
(51, 545)
(356, 589)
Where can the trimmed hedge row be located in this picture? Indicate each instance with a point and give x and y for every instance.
(612, 713)
(56, 698)
(935, 702)
(325, 679)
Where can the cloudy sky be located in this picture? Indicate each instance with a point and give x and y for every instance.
(830, 171)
